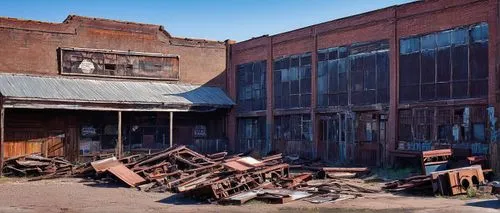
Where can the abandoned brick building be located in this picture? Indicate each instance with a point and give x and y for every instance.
(365, 89)
(90, 85)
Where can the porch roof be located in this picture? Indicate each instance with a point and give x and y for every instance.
(61, 92)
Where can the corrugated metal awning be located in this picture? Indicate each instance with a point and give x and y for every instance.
(57, 92)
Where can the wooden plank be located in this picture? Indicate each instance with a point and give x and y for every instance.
(17, 148)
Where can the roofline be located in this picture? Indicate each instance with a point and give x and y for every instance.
(160, 28)
(83, 77)
(333, 20)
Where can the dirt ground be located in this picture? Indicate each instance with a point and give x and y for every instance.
(78, 195)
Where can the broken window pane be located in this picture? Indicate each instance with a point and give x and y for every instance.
(251, 133)
(295, 81)
(443, 65)
(293, 127)
(460, 62)
(409, 69)
(479, 60)
(367, 72)
(409, 45)
(251, 86)
(428, 42)
(479, 32)
(478, 132)
(428, 66)
(455, 67)
(443, 38)
(460, 36)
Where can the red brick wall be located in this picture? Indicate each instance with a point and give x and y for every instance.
(31, 46)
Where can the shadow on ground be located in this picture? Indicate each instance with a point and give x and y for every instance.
(491, 204)
(102, 183)
(179, 199)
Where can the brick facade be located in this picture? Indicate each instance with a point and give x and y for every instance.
(31, 46)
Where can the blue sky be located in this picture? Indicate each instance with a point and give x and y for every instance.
(216, 19)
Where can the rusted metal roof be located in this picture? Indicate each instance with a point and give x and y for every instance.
(76, 92)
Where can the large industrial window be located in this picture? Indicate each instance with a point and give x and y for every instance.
(293, 127)
(462, 127)
(292, 82)
(251, 86)
(357, 74)
(251, 133)
(445, 65)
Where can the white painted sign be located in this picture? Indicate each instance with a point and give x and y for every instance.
(87, 66)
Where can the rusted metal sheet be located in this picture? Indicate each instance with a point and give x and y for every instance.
(126, 175)
(435, 160)
(296, 180)
(105, 164)
(457, 181)
(237, 166)
(243, 164)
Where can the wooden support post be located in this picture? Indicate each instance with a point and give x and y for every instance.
(2, 136)
(119, 142)
(171, 132)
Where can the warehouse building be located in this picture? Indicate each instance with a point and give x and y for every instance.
(373, 87)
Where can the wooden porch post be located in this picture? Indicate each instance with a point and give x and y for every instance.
(119, 142)
(171, 132)
(2, 136)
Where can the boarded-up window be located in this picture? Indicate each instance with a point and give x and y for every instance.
(292, 82)
(444, 65)
(119, 64)
(358, 74)
(251, 81)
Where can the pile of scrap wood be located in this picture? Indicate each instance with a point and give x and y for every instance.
(37, 165)
(227, 179)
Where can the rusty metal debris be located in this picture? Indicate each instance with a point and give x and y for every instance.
(227, 179)
(35, 165)
(435, 160)
(457, 181)
(438, 178)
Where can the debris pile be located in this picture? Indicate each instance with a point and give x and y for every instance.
(37, 165)
(438, 178)
(230, 179)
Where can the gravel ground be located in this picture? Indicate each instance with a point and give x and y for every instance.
(78, 195)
